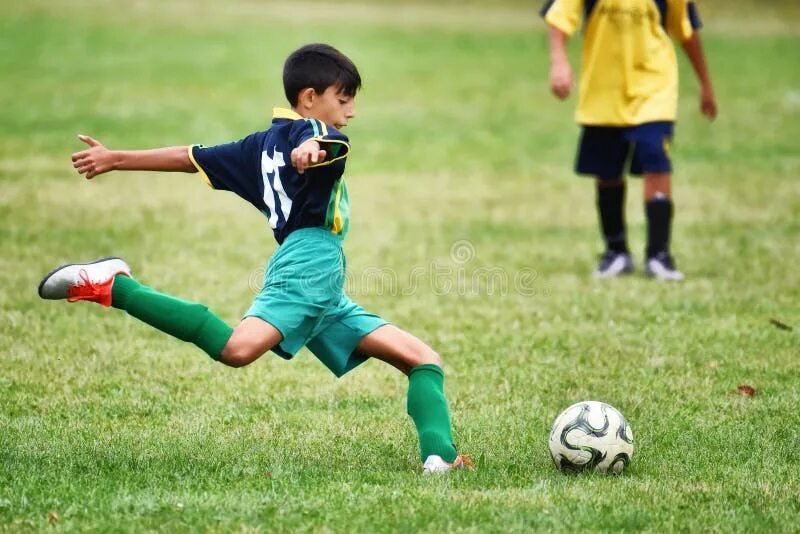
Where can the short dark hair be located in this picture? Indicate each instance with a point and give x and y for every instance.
(319, 66)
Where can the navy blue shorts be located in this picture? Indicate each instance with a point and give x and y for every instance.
(605, 151)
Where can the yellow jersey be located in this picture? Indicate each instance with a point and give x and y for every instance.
(629, 72)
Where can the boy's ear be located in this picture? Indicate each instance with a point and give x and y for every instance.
(306, 98)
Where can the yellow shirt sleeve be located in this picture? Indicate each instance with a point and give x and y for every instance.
(564, 15)
(679, 25)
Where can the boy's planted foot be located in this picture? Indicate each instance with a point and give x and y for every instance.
(435, 464)
(662, 266)
(83, 281)
(613, 264)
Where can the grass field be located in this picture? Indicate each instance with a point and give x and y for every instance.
(460, 182)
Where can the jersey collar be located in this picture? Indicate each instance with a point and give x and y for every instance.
(283, 113)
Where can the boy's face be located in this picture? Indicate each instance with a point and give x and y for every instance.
(331, 106)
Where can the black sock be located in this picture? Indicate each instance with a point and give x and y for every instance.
(659, 222)
(611, 207)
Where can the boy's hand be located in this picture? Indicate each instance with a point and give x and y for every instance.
(307, 154)
(708, 103)
(97, 159)
(561, 79)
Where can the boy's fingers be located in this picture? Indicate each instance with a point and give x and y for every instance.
(318, 156)
(89, 140)
(709, 109)
(560, 89)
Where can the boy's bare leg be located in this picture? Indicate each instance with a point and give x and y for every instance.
(250, 339)
(657, 185)
(398, 348)
(603, 183)
(426, 402)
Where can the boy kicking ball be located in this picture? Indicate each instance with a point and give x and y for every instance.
(293, 174)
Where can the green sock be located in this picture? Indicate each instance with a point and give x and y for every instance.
(427, 406)
(187, 321)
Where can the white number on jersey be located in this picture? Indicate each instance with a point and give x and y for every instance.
(275, 196)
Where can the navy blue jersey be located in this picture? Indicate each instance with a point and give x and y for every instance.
(259, 169)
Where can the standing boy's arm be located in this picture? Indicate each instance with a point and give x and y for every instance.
(694, 51)
(560, 69)
(97, 159)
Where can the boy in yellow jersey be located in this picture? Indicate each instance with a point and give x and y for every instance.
(627, 104)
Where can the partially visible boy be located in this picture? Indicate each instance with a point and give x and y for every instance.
(627, 106)
(292, 173)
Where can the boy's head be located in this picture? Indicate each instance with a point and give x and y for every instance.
(321, 82)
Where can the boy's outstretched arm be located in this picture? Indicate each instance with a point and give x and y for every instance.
(694, 51)
(97, 159)
(560, 69)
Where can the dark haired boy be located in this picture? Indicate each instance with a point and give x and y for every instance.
(627, 106)
(292, 173)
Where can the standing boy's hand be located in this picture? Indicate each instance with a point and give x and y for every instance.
(97, 159)
(560, 69)
(561, 79)
(693, 47)
(708, 103)
(307, 154)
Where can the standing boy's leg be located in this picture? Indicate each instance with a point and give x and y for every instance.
(616, 260)
(651, 158)
(659, 210)
(602, 153)
(611, 210)
(427, 404)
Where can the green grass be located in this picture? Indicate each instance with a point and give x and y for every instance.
(108, 425)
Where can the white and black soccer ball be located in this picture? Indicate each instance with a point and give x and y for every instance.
(591, 435)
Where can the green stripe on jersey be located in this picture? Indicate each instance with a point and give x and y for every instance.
(337, 217)
(314, 125)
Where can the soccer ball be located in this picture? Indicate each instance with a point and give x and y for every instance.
(591, 435)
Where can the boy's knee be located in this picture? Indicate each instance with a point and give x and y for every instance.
(431, 357)
(239, 354)
(609, 183)
(252, 338)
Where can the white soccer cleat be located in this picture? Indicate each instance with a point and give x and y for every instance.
(83, 281)
(614, 264)
(435, 464)
(662, 267)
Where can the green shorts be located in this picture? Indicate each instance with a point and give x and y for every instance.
(303, 297)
